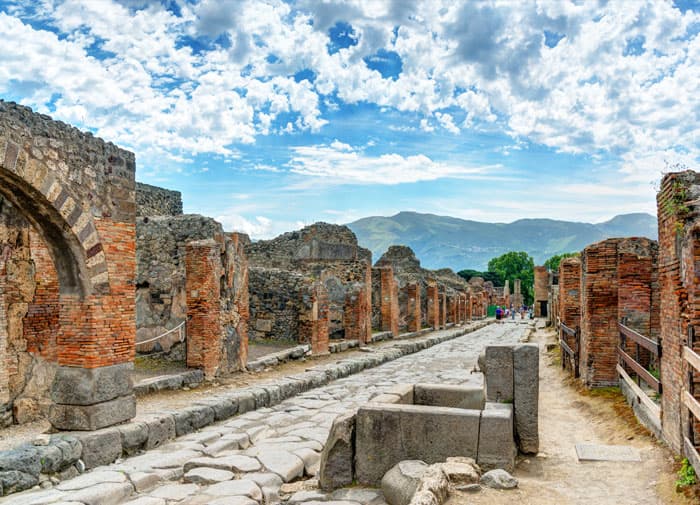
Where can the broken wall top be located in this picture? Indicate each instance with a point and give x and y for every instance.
(320, 242)
(155, 201)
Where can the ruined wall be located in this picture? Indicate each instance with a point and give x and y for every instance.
(618, 280)
(385, 300)
(330, 254)
(276, 303)
(160, 273)
(155, 201)
(77, 192)
(541, 289)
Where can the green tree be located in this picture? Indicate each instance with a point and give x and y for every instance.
(487, 276)
(552, 263)
(516, 265)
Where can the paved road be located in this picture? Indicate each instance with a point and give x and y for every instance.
(246, 460)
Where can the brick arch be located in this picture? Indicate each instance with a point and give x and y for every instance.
(60, 219)
(78, 193)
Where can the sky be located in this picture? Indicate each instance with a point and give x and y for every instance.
(269, 115)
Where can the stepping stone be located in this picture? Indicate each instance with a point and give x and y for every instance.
(233, 463)
(307, 495)
(596, 452)
(204, 475)
(174, 491)
(283, 463)
(233, 500)
(242, 487)
(91, 479)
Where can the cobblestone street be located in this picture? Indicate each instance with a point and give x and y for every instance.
(253, 455)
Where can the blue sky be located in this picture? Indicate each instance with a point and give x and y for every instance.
(269, 114)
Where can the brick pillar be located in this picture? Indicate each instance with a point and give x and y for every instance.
(313, 321)
(389, 301)
(517, 298)
(599, 333)
(433, 306)
(413, 304)
(541, 291)
(357, 311)
(679, 249)
(442, 299)
(203, 271)
(570, 292)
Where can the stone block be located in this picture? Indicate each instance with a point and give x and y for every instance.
(387, 434)
(160, 429)
(498, 375)
(401, 482)
(246, 401)
(100, 447)
(88, 386)
(192, 418)
(445, 395)
(496, 444)
(337, 457)
(134, 436)
(92, 417)
(13, 481)
(405, 393)
(526, 359)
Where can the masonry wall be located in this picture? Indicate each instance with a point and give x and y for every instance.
(276, 302)
(161, 303)
(413, 306)
(330, 254)
(155, 201)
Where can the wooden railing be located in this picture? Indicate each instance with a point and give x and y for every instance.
(570, 343)
(692, 358)
(634, 364)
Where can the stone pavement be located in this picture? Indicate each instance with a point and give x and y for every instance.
(251, 458)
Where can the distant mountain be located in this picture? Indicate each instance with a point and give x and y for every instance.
(443, 241)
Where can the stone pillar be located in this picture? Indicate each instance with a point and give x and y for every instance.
(313, 321)
(433, 306)
(541, 291)
(517, 298)
(203, 274)
(413, 304)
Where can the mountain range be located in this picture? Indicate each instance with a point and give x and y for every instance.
(443, 241)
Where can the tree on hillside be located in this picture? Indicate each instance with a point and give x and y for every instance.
(552, 263)
(487, 276)
(516, 265)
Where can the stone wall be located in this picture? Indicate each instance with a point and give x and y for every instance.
(155, 201)
(160, 273)
(77, 193)
(330, 254)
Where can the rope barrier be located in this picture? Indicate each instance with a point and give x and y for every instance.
(173, 330)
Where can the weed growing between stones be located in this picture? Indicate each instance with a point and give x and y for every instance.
(686, 475)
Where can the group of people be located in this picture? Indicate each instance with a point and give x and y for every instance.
(505, 312)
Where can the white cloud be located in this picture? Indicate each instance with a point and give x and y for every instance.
(126, 71)
(339, 163)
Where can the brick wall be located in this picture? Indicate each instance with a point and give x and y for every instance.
(677, 212)
(570, 292)
(389, 301)
(618, 280)
(313, 318)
